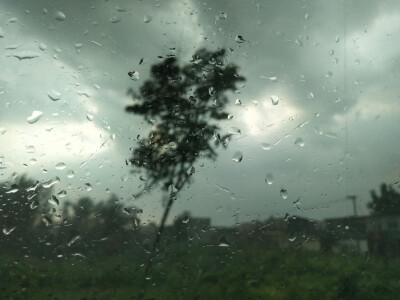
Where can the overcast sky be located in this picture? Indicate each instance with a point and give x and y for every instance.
(333, 66)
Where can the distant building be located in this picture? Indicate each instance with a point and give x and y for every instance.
(281, 233)
(378, 234)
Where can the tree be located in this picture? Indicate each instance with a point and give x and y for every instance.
(181, 103)
(87, 223)
(23, 204)
(388, 203)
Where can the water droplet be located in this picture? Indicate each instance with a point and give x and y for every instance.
(25, 55)
(298, 42)
(46, 220)
(223, 16)
(51, 182)
(54, 95)
(34, 117)
(274, 100)
(42, 46)
(273, 78)
(211, 91)
(307, 16)
(30, 197)
(310, 95)
(331, 135)
(239, 39)
(62, 193)
(89, 116)
(337, 39)
(12, 20)
(13, 47)
(284, 193)
(147, 19)
(14, 188)
(134, 75)
(115, 19)
(88, 187)
(78, 47)
(269, 179)
(70, 174)
(34, 204)
(79, 255)
(230, 117)
(30, 149)
(299, 142)
(297, 203)
(97, 43)
(7, 231)
(53, 200)
(238, 102)
(331, 52)
(287, 217)
(73, 240)
(59, 16)
(292, 238)
(329, 74)
(33, 188)
(191, 171)
(172, 189)
(223, 242)
(266, 146)
(235, 130)
(60, 166)
(237, 157)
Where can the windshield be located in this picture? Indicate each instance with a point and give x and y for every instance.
(199, 150)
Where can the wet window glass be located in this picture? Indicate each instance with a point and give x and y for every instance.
(199, 149)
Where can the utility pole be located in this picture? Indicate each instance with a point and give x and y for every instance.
(353, 199)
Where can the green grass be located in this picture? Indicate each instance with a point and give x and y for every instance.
(204, 273)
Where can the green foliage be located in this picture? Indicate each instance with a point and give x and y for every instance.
(388, 203)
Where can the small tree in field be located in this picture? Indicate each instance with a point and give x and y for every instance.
(181, 103)
(184, 104)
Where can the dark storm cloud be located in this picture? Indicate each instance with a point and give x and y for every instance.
(336, 67)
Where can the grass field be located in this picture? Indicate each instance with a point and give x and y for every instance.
(203, 273)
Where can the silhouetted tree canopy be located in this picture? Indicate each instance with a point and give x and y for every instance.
(87, 225)
(23, 207)
(388, 203)
(35, 222)
(180, 103)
